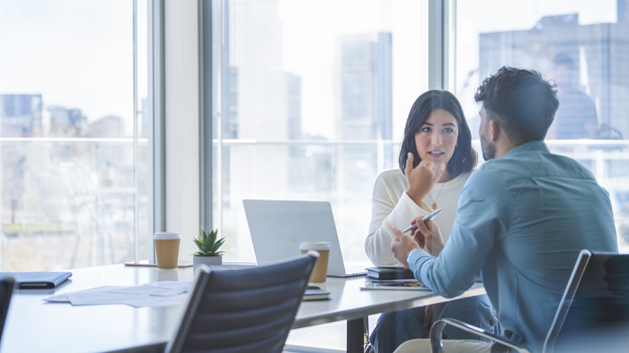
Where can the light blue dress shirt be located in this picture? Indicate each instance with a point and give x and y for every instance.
(521, 222)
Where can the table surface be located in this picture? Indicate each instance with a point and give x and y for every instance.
(34, 325)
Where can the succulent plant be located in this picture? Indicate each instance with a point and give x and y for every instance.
(208, 244)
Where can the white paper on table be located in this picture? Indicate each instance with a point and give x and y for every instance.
(148, 290)
(138, 296)
(182, 286)
(63, 298)
(137, 300)
(169, 301)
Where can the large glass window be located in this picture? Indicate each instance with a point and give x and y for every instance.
(73, 181)
(314, 100)
(584, 47)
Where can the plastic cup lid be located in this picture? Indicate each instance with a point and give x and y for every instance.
(166, 235)
(314, 245)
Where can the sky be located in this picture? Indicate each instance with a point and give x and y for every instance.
(76, 53)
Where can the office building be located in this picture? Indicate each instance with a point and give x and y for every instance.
(67, 122)
(364, 107)
(21, 115)
(365, 81)
(600, 53)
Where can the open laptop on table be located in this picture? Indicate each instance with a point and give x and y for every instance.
(278, 227)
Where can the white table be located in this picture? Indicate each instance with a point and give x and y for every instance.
(350, 303)
(34, 325)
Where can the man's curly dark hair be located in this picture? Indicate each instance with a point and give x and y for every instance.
(521, 101)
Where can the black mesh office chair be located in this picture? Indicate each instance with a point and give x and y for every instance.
(6, 290)
(594, 315)
(243, 310)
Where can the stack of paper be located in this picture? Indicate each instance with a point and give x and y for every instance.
(156, 294)
(394, 285)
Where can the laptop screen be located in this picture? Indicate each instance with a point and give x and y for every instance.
(277, 228)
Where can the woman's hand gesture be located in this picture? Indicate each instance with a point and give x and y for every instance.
(422, 178)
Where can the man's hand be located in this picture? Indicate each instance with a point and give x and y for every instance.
(422, 178)
(402, 245)
(428, 236)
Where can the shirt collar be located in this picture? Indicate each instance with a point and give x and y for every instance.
(527, 147)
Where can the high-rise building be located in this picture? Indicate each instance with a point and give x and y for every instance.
(364, 109)
(263, 103)
(293, 103)
(66, 122)
(21, 115)
(599, 54)
(230, 125)
(365, 72)
(622, 11)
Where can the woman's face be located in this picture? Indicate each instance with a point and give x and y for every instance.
(436, 139)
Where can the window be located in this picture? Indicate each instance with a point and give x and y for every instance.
(73, 141)
(582, 46)
(315, 98)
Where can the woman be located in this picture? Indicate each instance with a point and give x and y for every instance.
(435, 160)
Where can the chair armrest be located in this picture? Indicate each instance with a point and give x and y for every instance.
(437, 329)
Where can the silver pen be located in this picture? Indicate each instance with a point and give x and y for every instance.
(426, 217)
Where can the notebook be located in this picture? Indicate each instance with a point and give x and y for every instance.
(35, 280)
(316, 293)
(389, 272)
(278, 227)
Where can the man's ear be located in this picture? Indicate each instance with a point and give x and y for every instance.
(494, 130)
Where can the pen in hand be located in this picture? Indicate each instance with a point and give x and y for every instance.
(426, 218)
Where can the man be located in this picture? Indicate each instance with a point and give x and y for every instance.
(522, 217)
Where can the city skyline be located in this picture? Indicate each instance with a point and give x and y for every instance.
(376, 16)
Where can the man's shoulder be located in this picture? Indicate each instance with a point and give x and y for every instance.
(494, 167)
(534, 163)
(489, 173)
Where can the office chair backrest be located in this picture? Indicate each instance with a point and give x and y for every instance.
(243, 310)
(566, 300)
(6, 290)
(595, 301)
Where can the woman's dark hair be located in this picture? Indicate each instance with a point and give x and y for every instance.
(464, 158)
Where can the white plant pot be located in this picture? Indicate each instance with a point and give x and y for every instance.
(208, 260)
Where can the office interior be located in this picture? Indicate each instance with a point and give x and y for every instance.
(121, 118)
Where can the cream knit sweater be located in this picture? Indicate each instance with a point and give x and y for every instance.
(392, 207)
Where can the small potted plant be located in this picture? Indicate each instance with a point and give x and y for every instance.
(208, 253)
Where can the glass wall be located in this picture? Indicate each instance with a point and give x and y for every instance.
(315, 95)
(584, 47)
(73, 181)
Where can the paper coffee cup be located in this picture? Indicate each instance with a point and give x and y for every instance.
(167, 249)
(320, 272)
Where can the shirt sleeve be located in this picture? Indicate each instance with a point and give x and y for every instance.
(385, 215)
(482, 219)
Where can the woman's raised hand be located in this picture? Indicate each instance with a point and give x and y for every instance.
(422, 178)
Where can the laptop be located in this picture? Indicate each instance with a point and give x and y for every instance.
(278, 227)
